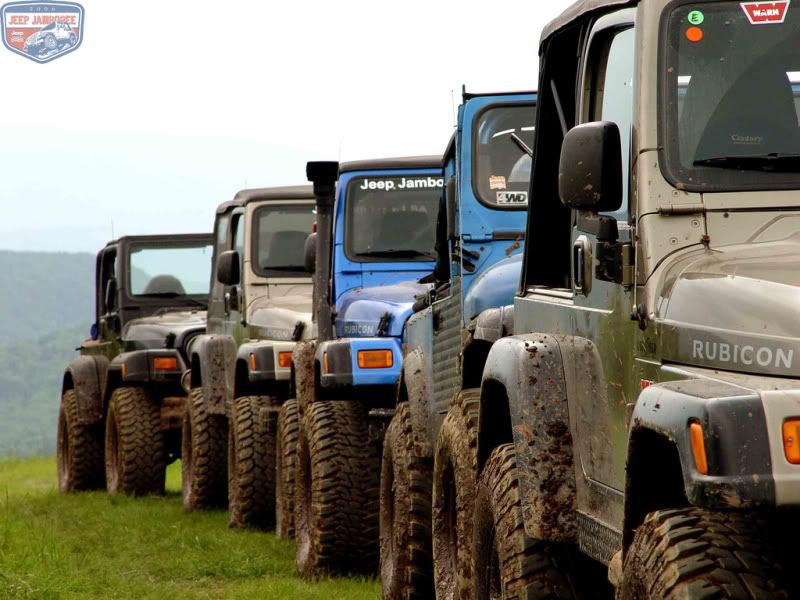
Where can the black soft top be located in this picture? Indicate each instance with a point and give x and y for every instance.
(287, 192)
(167, 237)
(578, 10)
(392, 164)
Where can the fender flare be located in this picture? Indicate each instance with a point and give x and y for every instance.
(414, 383)
(304, 366)
(87, 376)
(213, 365)
(736, 442)
(530, 369)
(494, 324)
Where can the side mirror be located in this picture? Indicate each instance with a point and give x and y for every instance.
(110, 299)
(450, 203)
(228, 268)
(310, 257)
(590, 170)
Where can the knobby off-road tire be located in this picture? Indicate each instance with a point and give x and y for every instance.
(405, 513)
(697, 553)
(204, 454)
(286, 454)
(507, 563)
(251, 462)
(136, 458)
(336, 491)
(79, 449)
(454, 474)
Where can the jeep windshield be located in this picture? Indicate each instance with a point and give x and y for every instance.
(392, 219)
(731, 102)
(503, 143)
(170, 271)
(279, 234)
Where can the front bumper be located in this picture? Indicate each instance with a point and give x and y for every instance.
(342, 362)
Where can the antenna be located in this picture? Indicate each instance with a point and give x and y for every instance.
(453, 102)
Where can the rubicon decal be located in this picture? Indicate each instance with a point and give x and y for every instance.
(766, 13)
(42, 31)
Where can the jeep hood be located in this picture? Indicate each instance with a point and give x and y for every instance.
(276, 318)
(152, 332)
(735, 307)
(495, 287)
(360, 309)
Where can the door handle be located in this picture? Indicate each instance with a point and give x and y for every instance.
(582, 266)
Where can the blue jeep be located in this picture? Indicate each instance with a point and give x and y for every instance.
(429, 461)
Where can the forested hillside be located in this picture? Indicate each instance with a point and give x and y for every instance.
(46, 309)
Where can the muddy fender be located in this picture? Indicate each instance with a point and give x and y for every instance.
(416, 381)
(530, 369)
(494, 324)
(305, 377)
(87, 376)
(215, 357)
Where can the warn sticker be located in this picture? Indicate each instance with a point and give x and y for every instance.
(766, 13)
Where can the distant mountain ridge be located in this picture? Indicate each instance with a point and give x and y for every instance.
(43, 292)
(46, 309)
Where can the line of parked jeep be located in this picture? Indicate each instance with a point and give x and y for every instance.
(559, 361)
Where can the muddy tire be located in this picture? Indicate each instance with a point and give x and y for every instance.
(405, 513)
(286, 452)
(454, 474)
(136, 459)
(506, 562)
(79, 449)
(696, 553)
(336, 492)
(251, 463)
(204, 454)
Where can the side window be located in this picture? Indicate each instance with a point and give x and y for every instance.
(611, 95)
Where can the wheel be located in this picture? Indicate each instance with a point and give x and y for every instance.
(696, 553)
(204, 440)
(405, 513)
(72, 40)
(454, 472)
(506, 563)
(79, 449)
(336, 491)
(288, 429)
(251, 463)
(136, 461)
(50, 42)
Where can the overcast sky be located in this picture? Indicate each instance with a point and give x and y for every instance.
(168, 108)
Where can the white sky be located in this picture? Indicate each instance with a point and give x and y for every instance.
(169, 108)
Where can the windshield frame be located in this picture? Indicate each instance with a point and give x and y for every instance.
(668, 127)
(254, 217)
(135, 246)
(352, 256)
(531, 105)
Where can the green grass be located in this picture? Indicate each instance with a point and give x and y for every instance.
(95, 546)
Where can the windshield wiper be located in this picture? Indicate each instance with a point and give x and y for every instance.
(284, 268)
(396, 254)
(775, 161)
(175, 296)
(522, 145)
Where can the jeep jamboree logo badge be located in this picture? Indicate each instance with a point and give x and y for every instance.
(42, 31)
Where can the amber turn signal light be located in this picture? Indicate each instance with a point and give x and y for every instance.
(252, 362)
(375, 359)
(165, 363)
(791, 440)
(285, 359)
(698, 447)
(325, 363)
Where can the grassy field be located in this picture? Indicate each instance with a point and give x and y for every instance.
(94, 546)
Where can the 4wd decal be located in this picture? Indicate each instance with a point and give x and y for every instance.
(766, 13)
(512, 198)
(42, 31)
